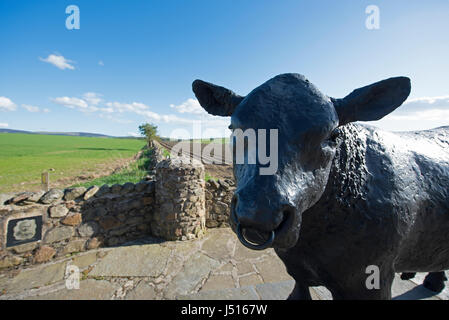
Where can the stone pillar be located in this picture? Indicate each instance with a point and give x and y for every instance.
(180, 199)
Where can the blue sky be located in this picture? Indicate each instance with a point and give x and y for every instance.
(134, 61)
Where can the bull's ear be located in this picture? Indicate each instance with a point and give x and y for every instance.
(214, 99)
(372, 102)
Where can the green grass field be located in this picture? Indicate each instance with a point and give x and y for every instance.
(23, 157)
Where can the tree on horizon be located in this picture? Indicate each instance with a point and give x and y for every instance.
(149, 130)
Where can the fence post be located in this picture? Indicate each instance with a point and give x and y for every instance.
(45, 179)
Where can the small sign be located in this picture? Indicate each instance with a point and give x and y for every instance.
(24, 230)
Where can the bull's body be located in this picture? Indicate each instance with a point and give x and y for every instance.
(346, 199)
(386, 203)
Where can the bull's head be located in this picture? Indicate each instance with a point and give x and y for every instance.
(267, 209)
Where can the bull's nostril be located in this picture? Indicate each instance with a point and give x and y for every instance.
(287, 215)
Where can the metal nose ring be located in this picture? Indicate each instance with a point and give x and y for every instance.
(253, 246)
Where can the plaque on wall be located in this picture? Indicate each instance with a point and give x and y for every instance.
(24, 230)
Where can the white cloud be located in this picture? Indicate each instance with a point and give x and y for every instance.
(424, 108)
(4, 125)
(150, 115)
(59, 62)
(73, 103)
(106, 110)
(425, 103)
(92, 98)
(6, 104)
(30, 108)
(425, 115)
(34, 109)
(135, 107)
(89, 103)
(417, 114)
(192, 112)
(133, 134)
(428, 100)
(190, 106)
(193, 107)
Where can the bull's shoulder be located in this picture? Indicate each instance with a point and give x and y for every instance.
(414, 156)
(380, 168)
(432, 144)
(404, 150)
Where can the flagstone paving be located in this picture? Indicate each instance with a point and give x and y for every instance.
(215, 267)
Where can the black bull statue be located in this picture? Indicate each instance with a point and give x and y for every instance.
(345, 197)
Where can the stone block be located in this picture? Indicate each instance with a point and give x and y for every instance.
(72, 219)
(58, 234)
(108, 223)
(10, 261)
(88, 229)
(44, 254)
(52, 196)
(72, 194)
(58, 211)
(25, 247)
(92, 191)
(94, 243)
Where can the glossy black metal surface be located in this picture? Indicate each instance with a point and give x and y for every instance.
(345, 196)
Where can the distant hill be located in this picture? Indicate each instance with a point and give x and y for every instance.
(73, 134)
(15, 131)
(76, 134)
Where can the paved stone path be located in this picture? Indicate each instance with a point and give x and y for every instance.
(215, 267)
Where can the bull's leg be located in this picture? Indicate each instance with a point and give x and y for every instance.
(408, 275)
(356, 288)
(295, 268)
(300, 292)
(434, 281)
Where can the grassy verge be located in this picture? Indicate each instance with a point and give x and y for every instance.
(209, 177)
(165, 153)
(134, 173)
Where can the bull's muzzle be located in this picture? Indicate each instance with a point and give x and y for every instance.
(255, 236)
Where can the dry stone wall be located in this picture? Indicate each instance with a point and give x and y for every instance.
(38, 227)
(218, 202)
